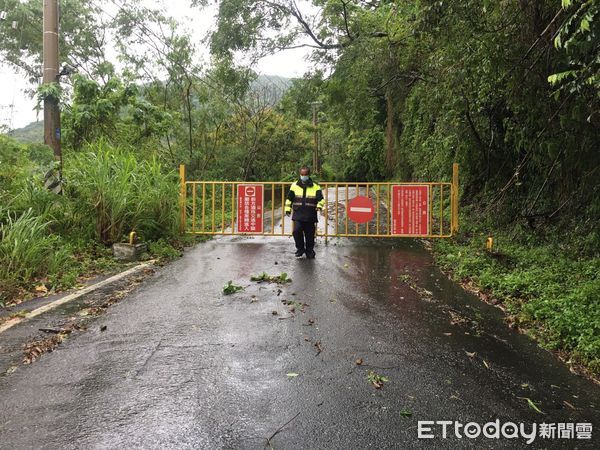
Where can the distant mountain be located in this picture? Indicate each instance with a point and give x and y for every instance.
(272, 86)
(32, 133)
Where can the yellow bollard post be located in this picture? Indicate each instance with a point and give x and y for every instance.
(489, 244)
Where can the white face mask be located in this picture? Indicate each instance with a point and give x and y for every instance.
(304, 178)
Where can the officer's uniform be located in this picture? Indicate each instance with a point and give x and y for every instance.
(304, 199)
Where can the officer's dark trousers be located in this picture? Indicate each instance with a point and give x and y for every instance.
(304, 236)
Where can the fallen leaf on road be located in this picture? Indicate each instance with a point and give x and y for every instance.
(103, 328)
(471, 354)
(292, 375)
(231, 288)
(281, 278)
(569, 404)
(318, 347)
(531, 404)
(41, 288)
(359, 362)
(485, 363)
(376, 380)
(35, 349)
(447, 334)
(405, 413)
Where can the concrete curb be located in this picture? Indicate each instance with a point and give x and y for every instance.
(61, 301)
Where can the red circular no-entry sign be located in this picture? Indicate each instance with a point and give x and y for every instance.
(360, 209)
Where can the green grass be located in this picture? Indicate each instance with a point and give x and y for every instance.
(548, 289)
(27, 249)
(53, 240)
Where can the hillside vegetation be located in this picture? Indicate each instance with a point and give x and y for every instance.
(403, 89)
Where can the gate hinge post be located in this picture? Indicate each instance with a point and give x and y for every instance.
(182, 198)
(454, 198)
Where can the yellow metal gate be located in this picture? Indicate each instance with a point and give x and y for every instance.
(217, 208)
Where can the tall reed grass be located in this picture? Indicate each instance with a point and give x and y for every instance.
(109, 192)
(114, 193)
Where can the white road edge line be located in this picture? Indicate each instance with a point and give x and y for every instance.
(61, 301)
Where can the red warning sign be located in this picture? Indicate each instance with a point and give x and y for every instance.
(250, 208)
(410, 209)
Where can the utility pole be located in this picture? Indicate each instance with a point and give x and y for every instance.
(51, 110)
(315, 106)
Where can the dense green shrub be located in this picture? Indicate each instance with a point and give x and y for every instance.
(27, 249)
(114, 192)
(546, 287)
(108, 192)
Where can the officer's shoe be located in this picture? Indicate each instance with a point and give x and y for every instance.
(310, 255)
(299, 253)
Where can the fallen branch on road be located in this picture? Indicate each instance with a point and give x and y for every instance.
(268, 444)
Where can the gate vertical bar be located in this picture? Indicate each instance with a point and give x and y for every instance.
(273, 209)
(356, 194)
(326, 212)
(182, 198)
(337, 222)
(430, 224)
(377, 197)
(367, 195)
(203, 206)
(214, 194)
(233, 215)
(454, 198)
(194, 186)
(283, 209)
(346, 207)
(390, 206)
(223, 208)
(442, 210)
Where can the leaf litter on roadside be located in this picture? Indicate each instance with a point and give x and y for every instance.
(34, 350)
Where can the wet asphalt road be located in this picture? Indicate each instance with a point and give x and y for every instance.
(180, 365)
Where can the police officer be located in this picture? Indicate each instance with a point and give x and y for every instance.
(305, 198)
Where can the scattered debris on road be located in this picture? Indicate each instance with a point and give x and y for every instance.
(231, 288)
(531, 404)
(376, 380)
(265, 277)
(35, 349)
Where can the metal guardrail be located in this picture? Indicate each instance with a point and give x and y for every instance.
(225, 208)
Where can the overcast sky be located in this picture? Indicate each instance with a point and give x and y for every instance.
(16, 109)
